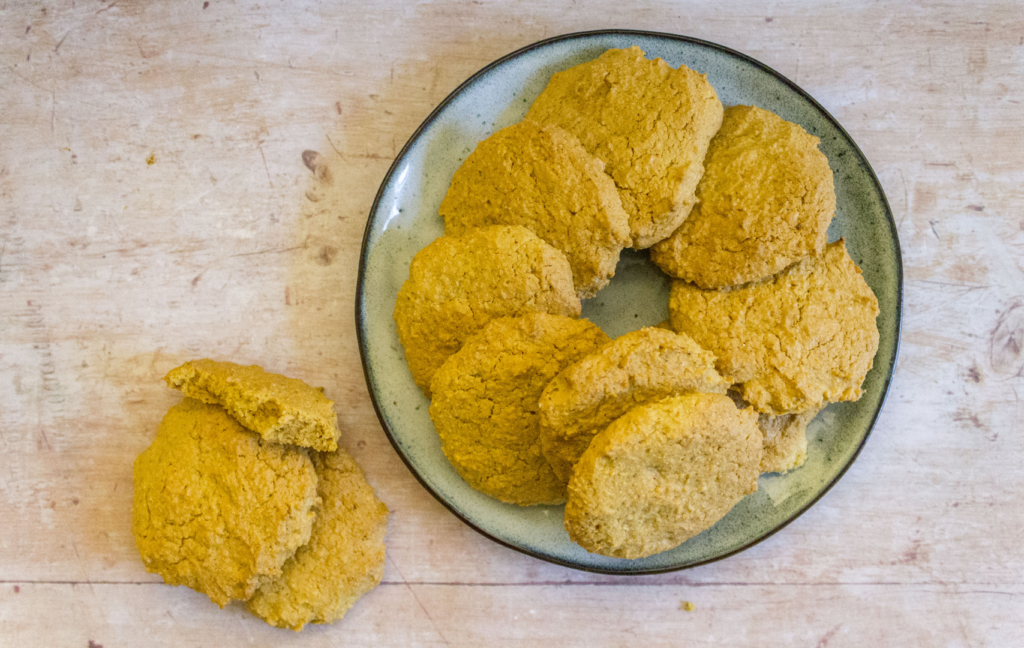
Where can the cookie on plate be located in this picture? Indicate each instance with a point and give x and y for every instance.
(661, 474)
(764, 203)
(485, 403)
(459, 283)
(794, 341)
(285, 410)
(344, 558)
(785, 440)
(785, 437)
(541, 177)
(639, 367)
(216, 507)
(648, 122)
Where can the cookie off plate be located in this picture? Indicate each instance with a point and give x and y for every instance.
(404, 219)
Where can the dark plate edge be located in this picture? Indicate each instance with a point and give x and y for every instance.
(363, 351)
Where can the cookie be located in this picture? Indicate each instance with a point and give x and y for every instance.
(216, 507)
(765, 202)
(459, 283)
(785, 437)
(785, 440)
(344, 558)
(638, 367)
(794, 341)
(285, 410)
(485, 403)
(648, 122)
(541, 177)
(661, 474)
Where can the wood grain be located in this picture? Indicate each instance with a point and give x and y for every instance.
(156, 205)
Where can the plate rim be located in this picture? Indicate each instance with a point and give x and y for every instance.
(364, 254)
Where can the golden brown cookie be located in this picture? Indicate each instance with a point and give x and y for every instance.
(785, 440)
(216, 507)
(796, 340)
(638, 367)
(485, 403)
(648, 122)
(344, 558)
(765, 202)
(785, 437)
(459, 283)
(661, 474)
(540, 177)
(285, 410)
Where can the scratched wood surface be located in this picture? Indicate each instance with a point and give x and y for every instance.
(155, 207)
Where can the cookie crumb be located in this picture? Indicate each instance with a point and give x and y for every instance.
(688, 606)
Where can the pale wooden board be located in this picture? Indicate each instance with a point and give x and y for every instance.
(734, 614)
(154, 207)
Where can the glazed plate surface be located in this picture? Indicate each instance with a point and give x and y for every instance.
(405, 218)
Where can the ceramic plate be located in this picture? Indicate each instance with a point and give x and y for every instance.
(405, 218)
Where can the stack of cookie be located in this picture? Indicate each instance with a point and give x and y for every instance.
(653, 437)
(245, 495)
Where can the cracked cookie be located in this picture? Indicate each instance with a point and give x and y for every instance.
(661, 474)
(648, 122)
(485, 403)
(344, 558)
(639, 367)
(785, 437)
(541, 177)
(765, 202)
(216, 507)
(457, 284)
(794, 341)
(281, 409)
(785, 440)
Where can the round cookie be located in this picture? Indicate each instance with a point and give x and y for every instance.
(459, 283)
(639, 367)
(794, 341)
(344, 558)
(216, 508)
(765, 202)
(281, 409)
(485, 403)
(661, 474)
(649, 123)
(541, 177)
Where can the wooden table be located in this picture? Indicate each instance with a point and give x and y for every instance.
(154, 207)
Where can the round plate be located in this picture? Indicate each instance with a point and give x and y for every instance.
(405, 218)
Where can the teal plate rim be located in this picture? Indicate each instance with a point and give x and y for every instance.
(360, 311)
